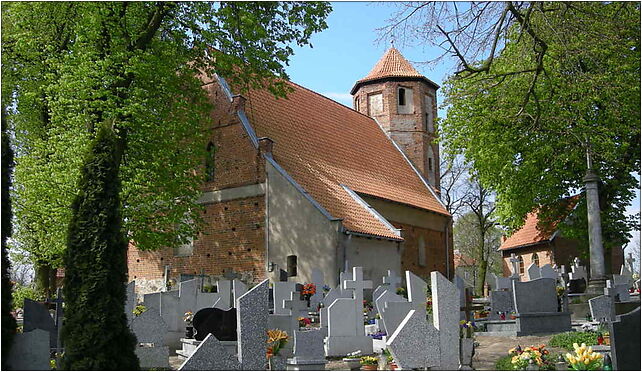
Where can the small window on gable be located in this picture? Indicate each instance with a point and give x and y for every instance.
(402, 96)
(209, 162)
(356, 103)
(535, 259)
(429, 164)
(422, 251)
(292, 265)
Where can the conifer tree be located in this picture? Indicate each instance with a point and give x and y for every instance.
(8, 322)
(95, 332)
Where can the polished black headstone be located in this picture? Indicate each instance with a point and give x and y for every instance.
(36, 315)
(576, 286)
(625, 341)
(220, 323)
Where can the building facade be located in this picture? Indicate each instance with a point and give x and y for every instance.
(305, 182)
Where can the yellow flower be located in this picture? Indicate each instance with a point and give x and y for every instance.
(575, 346)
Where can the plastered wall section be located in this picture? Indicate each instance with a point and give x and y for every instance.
(296, 227)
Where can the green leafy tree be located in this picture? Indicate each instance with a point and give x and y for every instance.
(141, 64)
(95, 333)
(540, 85)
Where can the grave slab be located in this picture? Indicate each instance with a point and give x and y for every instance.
(415, 343)
(625, 341)
(30, 351)
(252, 322)
(210, 355)
(446, 319)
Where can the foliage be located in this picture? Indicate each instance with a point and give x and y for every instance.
(368, 360)
(504, 363)
(401, 291)
(95, 332)
(276, 339)
(139, 310)
(521, 358)
(527, 134)
(567, 339)
(8, 322)
(20, 292)
(466, 329)
(74, 65)
(584, 358)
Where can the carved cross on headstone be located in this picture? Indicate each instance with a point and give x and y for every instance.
(357, 284)
(392, 280)
(514, 262)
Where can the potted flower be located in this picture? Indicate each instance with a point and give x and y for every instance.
(304, 322)
(369, 363)
(513, 316)
(584, 359)
(530, 358)
(276, 339)
(309, 289)
(139, 309)
(391, 363)
(188, 318)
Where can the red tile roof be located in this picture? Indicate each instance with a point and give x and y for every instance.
(323, 144)
(392, 65)
(533, 231)
(462, 260)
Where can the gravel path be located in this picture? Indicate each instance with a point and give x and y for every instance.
(491, 348)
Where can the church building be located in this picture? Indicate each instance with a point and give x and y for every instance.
(305, 182)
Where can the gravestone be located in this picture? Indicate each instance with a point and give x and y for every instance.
(224, 289)
(577, 272)
(415, 344)
(621, 287)
(514, 261)
(547, 271)
(393, 309)
(150, 329)
(461, 286)
(30, 351)
(318, 281)
(533, 272)
(210, 355)
(346, 333)
(282, 291)
(446, 319)
(220, 323)
(501, 301)
(308, 351)
(37, 316)
(625, 341)
(535, 296)
(130, 302)
(238, 289)
(576, 286)
(601, 308)
(501, 282)
(390, 282)
(252, 322)
(329, 298)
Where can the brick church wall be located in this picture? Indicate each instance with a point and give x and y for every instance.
(436, 258)
(234, 234)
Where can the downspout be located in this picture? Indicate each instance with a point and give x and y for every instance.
(447, 243)
(265, 148)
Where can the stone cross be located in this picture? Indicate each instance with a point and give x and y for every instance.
(629, 261)
(513, 261)
(392, 280)
(230, 274)
(295, 305)
(357, 284)
(318, 280)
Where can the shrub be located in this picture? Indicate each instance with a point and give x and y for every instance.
(95, 332)
(566, 340)
(20, 292)
(504, 364)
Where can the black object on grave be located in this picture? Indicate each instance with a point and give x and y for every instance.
(220, 323)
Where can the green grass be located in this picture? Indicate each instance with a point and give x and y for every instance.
(566, 340)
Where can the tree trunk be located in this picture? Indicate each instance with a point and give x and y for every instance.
(43, 278)
(482, 268)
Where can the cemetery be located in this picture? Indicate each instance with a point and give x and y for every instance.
(173, 201)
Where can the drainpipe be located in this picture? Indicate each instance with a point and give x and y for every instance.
(265, 148)
(447, 245)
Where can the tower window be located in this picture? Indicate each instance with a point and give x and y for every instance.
(292, 269)
(422, 252)
(209, 162)
(402, 97)
(430, 164)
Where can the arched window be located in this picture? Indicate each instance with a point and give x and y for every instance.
(292, 269)
(421, 246)
(209, 162)
(535, 259)
(521, 265)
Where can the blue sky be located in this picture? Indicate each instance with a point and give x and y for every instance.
(347, 50)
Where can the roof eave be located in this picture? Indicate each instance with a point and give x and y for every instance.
(392, 78)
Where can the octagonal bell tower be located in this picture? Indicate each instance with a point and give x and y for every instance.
(404, 103)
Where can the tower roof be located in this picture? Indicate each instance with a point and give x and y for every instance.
(392, 65)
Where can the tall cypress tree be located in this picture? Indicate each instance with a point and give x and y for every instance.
(8, 322)
(95, 332)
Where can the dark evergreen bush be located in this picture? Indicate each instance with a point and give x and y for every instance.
(95, 333)
(8, 322)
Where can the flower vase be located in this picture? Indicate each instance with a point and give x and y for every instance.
(189, 332)
(369, 367)
(466, 351)
(277, 363)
